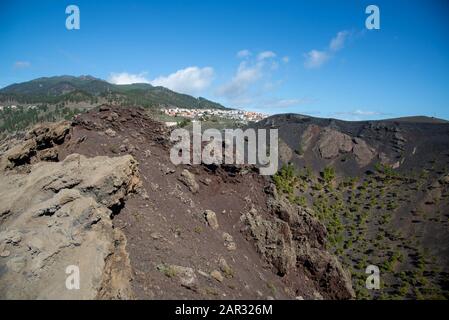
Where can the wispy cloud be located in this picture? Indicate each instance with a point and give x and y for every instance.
(246, 75)
(254, 83)
(338, 42)
(22, 64)
(275, 103)
(266, 55)
(190, 80)
(359, 114)
(127, 78)
(284, 103)
(243, 53)
(316, 58)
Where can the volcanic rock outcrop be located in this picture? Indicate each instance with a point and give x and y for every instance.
(292, 240)
(38, 144)
(332, 143)
(58, 214)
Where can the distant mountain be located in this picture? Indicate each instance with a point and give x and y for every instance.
(90, 89)
(418, 119)
(353, 147)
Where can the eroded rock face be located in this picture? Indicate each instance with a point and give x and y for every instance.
(292, 238)
(39, 143)
(59, 215)
(273, 240)
(333, 143)
(363, 153)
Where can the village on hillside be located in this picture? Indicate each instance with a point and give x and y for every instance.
(201, 114)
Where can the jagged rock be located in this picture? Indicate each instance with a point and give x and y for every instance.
(49, 134)
(206, 181)
(304, 227)
(211, 219)
(229, 241)
(334, 281)
(185, 275)
(111, 133)
(188, 179)
(60, 216)
(291, 237)
(49, 155)
(332, 142)
(217, 275)
(117, 272)
(20, 154)
(225, 268)
(37, 144)
(273, 240)
(363, 153)
(112, 117)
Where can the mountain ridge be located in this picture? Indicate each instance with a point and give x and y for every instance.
(58, 89)
(410, 119)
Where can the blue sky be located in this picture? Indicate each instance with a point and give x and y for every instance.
(310, 57)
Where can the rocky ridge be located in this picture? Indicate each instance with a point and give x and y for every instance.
(109, 201)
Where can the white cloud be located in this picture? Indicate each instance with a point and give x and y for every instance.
(253, 81)
(338, 42)
(22, 64)
(190, 80)
(243, 53)
(359, 114)
(315, 59)
(239, 84)
(282, 103)
(366, 113)
(285, 103)
(266, 55)
(127, 78)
